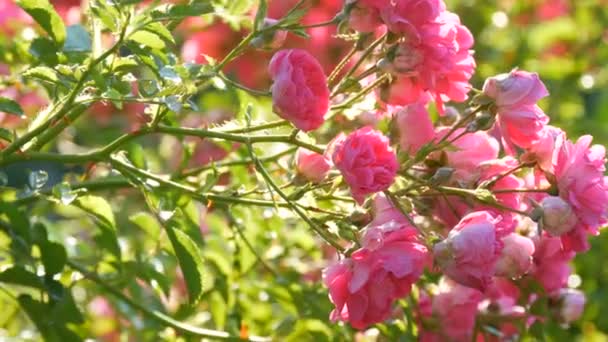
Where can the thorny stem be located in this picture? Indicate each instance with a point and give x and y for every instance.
(341, 65)
(361, 93)
(359, 62)
(260, 168)
(101, 154)
(399, 207)
(66, 106)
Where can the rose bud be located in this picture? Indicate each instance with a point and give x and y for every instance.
(469, 254)
(558, 216)
(312, 166)
(273, 39)
(516, 257)
(572, 305)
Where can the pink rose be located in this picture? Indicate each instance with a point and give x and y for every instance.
(434, 60)
(551, 267)
(299, 91)
(415, 128)
(516, 257)
(364, 287)
(455, 306)
(407, 17)
(469, 254)
(366, 160)
(558, 217)
(519, 118)
(515, 88)
(504, 294)
(542, 150)
(386, 216)
(312, 166)
(503, 298)
(579, 171)
(470, 150)
(572, 305)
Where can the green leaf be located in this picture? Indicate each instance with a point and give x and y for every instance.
(124, 64)
(6, 135)
(260, 15)
(53, 257)
(10, 107)
(165, 12)
(64, 310)
(190, 261)
(148, 39)
(78, 39)
(42, 73)
(161, 31)
(146, 222)
(98, 207)
(108, 15)
(40, 313)
(43, 12)
(101, 210)
(20, 276)
(45, 50)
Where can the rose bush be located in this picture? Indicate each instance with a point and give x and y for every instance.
(197, 170)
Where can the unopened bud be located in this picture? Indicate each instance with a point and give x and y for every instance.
(273, 39)
(442, 176)
(572, 305)
(516, 256)
(483, 122)
(360, 217)
(312, 166)
(449, 117)
(558, 217)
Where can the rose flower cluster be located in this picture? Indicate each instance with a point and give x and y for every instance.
(491, 200)
(472, 217)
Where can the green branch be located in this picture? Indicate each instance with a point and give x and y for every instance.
(315, 227)
(162, 318)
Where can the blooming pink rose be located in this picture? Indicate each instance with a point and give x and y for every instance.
(313, 166)
(415, 127)
(572, 305)
(516, 257)
(435, 59)
(455, 306)
(366, 160)
(515, 94)
(409, 16)
(470, 150)
(542, 150)
(558, 216)
(469, 254)
(502, 297)
(364, 287)
(551, 267)
(299, 91)
(579, 172)
(504, 294)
